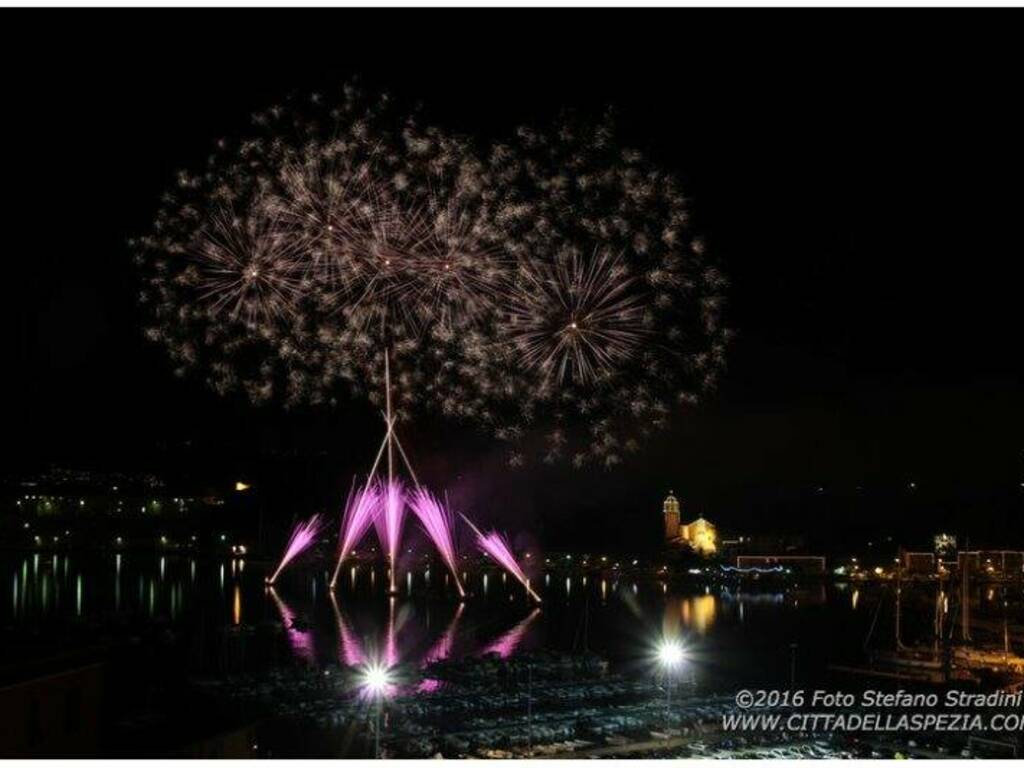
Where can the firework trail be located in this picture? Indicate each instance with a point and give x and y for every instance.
(496, 545)
(506, 645)
(303, 535)
(389, 521)
(361, 508)
(437, 520)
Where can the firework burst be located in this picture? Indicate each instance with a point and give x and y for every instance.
(547, 287)
(575, 320)
(243, 268)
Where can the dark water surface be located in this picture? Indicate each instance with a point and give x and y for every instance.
(735, 634)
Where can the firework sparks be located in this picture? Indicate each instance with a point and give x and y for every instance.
(303, 535)
(361, 508)
(496, 545)
(578, 319)
(244, 269)
(389, 522)
(547, 286)
(437, 520)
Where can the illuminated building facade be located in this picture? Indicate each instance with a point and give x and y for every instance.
(701, 535)
(670, 508)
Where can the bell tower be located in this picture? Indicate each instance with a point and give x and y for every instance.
(670, 509)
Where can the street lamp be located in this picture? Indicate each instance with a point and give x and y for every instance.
(376, 679)
(670, 658)
(670, 654)
(377, 682)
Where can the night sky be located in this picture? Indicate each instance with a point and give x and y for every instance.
(858, 173)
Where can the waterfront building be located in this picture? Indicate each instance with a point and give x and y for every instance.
(700, 536)
(670, 509)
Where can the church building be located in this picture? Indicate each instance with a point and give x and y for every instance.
(701, 536)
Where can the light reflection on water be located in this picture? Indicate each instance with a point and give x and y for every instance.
(506, 645)
(117, 582)
(425, 624)
(300, 639)
(698, 613)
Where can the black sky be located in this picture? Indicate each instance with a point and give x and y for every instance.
(858, 173)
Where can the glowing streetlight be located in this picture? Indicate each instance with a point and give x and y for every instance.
(376, 679)
(670, 654)
(671, 657)
(376, 682)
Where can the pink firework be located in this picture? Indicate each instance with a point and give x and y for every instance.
(389, 520)
(437, 520)
(302, 536)
(496, 545)
(360, 511)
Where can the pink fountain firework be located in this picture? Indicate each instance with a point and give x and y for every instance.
(496, 545)
(388, 521)
(360, 510)
(437, 520)
(302, 536)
